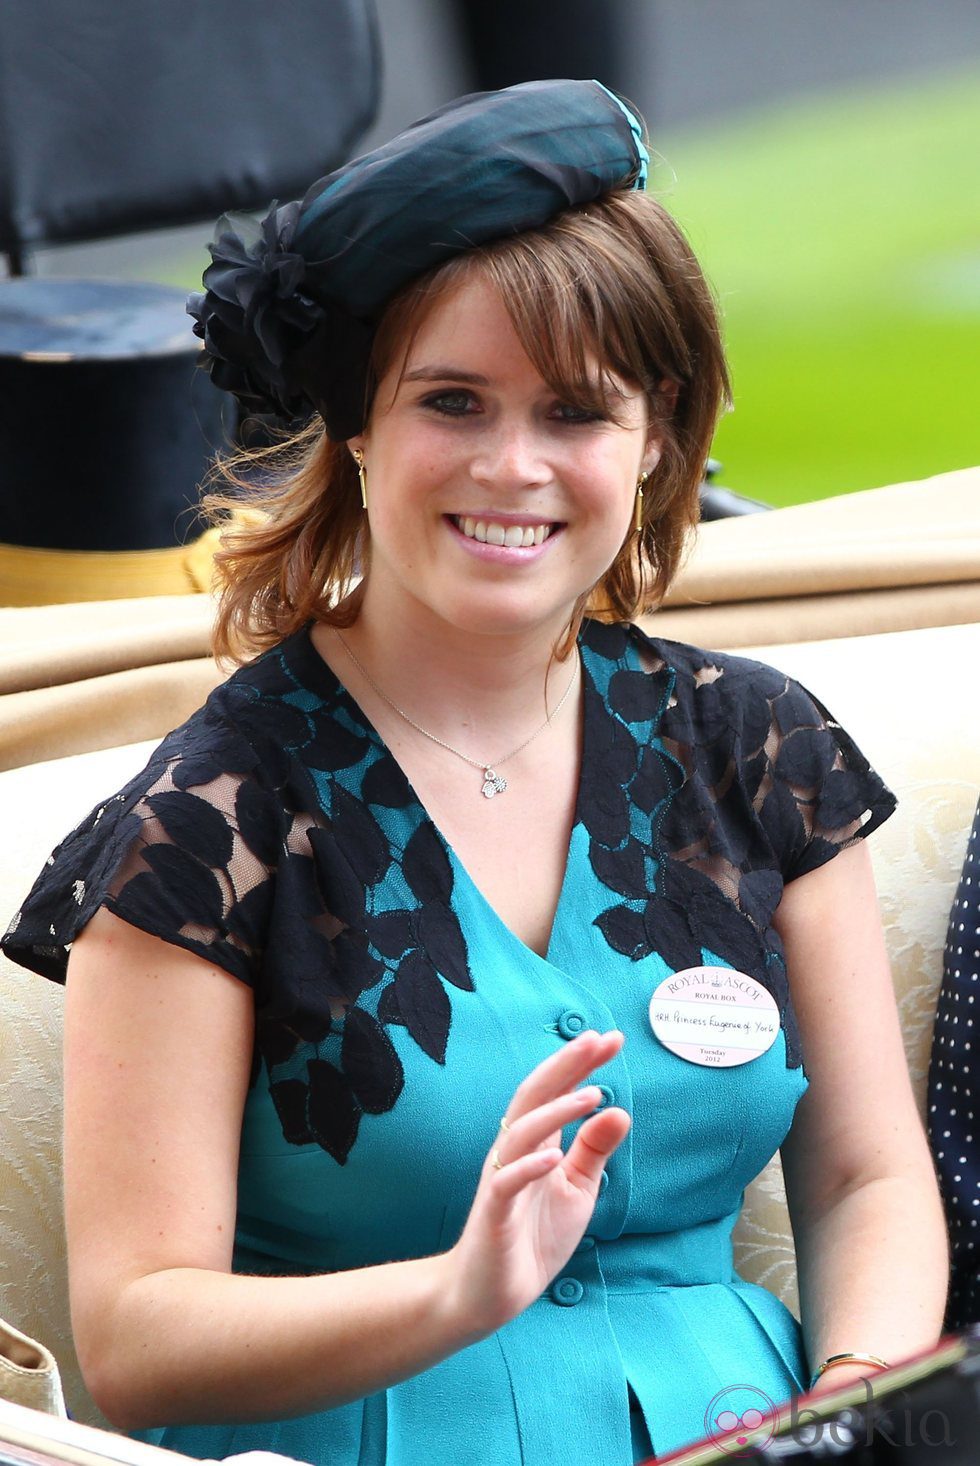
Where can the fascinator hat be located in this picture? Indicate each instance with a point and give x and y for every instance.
(291, 305)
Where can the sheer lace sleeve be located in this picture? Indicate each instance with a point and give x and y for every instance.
(817, 793)
(773, 782)
(187, 851)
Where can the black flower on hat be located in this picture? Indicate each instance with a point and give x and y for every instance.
(256, 315)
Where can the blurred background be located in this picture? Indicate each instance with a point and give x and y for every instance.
(824, 161)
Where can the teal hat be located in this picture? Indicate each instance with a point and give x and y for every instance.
(291, 305)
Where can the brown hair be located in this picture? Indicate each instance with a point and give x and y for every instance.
(613, 281)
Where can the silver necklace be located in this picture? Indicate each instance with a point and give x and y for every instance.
(493, 783)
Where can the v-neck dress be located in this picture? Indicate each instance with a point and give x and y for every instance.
(396, 1013)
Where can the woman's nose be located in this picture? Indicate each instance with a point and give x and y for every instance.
(511, 456)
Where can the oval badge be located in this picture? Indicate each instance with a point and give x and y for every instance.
(714, 1016)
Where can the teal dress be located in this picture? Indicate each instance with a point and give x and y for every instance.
(396, 1014)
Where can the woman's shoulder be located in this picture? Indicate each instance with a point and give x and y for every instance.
(262, 706)
(749, 732)
(726, 699)
(195, 829)
(703, 682)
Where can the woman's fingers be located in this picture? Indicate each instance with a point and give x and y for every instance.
(518, 1137)
(593, 1145)
(547, 1100)
(564, 1070)
(584, 1164)
(513, 1177)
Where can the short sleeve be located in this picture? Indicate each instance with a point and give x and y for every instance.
(187, 852)
(812, 788)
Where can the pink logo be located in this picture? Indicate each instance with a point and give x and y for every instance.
(740, 1416)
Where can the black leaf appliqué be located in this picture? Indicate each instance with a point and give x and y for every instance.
(333, 1114)
(759, 893)
(625, 931)
(260, 820)
(392, 932)
(842, 799)
(441, 937)
(621, 870)
(425, 865)
(341, 750)
(358, 834)
(183, 885)
(668, 932)
(805, 758)
(388, 1008)
(657, 778)
(636, 696)
(385, 784)
(355, 968)
(422, 1005)
(250, 917)
(194, 825)
(370, 1062)
(605, 812)
(342, 890)
(289, 1098)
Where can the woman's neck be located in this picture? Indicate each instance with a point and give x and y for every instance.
(452, 680)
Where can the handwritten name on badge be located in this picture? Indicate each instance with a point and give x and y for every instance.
(714, 1016)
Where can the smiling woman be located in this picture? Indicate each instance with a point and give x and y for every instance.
(391, 1134)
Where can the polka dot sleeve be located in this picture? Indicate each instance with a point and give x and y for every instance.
(954, 1075)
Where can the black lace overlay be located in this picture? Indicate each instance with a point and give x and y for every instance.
(274, 835)
(726, 780)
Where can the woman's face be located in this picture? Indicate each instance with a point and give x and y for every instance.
(493, 505)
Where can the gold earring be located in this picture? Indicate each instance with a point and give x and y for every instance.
(638, 509)
(361, 474)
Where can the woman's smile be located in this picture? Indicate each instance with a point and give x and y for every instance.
(504, 532)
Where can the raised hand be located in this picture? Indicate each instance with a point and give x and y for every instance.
(534, 1201)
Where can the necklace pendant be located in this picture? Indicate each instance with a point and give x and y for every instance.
(493, 784)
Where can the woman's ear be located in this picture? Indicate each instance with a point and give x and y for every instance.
(355, 446)
(651, 457)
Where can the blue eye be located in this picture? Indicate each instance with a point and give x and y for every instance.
(567, 412)
(451, 404)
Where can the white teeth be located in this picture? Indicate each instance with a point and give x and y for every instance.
(512, 536)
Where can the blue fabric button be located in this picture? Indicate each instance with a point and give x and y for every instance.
(571, 1023)
(606, 1096)
(586, 1244)
(567, 1292)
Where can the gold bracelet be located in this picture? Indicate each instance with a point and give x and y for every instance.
(847, 1358)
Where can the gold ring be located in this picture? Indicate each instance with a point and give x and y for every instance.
(495, 1160)
(505, 1124)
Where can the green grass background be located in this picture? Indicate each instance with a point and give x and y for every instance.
(842, 237)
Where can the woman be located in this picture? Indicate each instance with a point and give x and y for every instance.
(449, 875)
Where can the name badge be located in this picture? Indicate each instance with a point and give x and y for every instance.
(714, 1016)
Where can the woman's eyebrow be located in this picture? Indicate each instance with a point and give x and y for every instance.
(441, 373)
